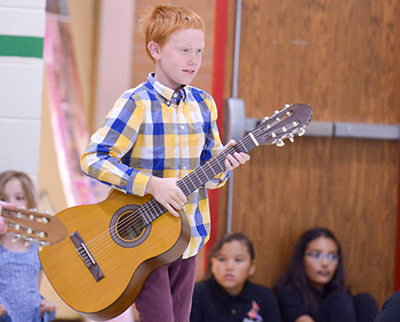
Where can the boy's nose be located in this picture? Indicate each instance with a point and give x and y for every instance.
(192, 61)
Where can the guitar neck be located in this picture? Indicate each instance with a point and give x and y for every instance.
(152, 209)
(272, 130)
(32, 225)
(214, 166)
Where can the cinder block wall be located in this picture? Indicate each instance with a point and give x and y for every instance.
(22, 27)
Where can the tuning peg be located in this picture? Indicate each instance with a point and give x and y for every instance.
(28, 241)
(301, 131)
(16, 237)
(287, 105)
(291, 137)
(279, 143)
(41, 244)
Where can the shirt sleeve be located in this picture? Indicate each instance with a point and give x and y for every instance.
(213, 146)
(109, 144)
(291, 305)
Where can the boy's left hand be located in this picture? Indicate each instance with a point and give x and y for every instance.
(47, 306)
(233, 161)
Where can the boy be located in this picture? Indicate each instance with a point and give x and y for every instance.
(156, 134)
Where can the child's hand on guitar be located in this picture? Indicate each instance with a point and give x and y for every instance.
(167, 193)
(233, 161)
(3, 226)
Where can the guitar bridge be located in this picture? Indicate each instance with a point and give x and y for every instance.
(86, 256)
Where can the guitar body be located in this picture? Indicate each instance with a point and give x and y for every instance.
(112, 246)
(121, 257)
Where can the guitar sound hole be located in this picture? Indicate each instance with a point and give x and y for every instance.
(129, 228)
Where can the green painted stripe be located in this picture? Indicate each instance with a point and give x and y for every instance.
(21, 46)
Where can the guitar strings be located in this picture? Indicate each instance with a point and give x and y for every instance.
(135, 217)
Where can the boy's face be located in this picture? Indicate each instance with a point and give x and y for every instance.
(179, 60)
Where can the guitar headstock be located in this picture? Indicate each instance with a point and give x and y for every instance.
(34, 226)
(284, 124)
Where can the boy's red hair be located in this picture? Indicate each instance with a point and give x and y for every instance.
(164, 20)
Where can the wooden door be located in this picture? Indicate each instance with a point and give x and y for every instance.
(341, 57)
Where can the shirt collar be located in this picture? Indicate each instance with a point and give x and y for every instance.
(170, 96)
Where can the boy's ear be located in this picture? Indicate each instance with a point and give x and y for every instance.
(154, 49)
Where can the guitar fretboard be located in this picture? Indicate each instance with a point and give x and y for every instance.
(152, 209)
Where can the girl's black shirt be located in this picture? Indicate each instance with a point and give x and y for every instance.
(255, 303)
(390, 311)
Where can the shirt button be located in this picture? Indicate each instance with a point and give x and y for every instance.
(184, 167)
(182, 127)
(175, 95)
(233, 311)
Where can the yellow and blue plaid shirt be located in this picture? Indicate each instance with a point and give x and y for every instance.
(153, 130)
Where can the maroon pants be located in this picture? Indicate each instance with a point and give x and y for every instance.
(167, 293)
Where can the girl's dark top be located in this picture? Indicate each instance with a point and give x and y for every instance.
(390, 311)
(292, 304)
(255, 303)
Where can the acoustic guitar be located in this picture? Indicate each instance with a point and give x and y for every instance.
(34, 226)
(115, 244)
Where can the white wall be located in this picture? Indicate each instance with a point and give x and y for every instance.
(115, 53)
(21, 22)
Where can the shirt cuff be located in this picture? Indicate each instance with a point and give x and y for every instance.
(137, 183)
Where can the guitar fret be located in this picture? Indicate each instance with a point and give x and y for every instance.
(144, 211)
(185, 188)
(244, 146)
(210, 169)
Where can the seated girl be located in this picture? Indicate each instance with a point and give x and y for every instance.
(226, 294)
(313, 288)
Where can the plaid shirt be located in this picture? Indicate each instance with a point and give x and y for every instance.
(153, 130)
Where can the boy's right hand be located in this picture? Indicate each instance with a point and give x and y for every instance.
(167, 193)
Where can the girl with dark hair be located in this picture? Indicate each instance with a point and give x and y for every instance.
(226, 294)
(313, 288)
